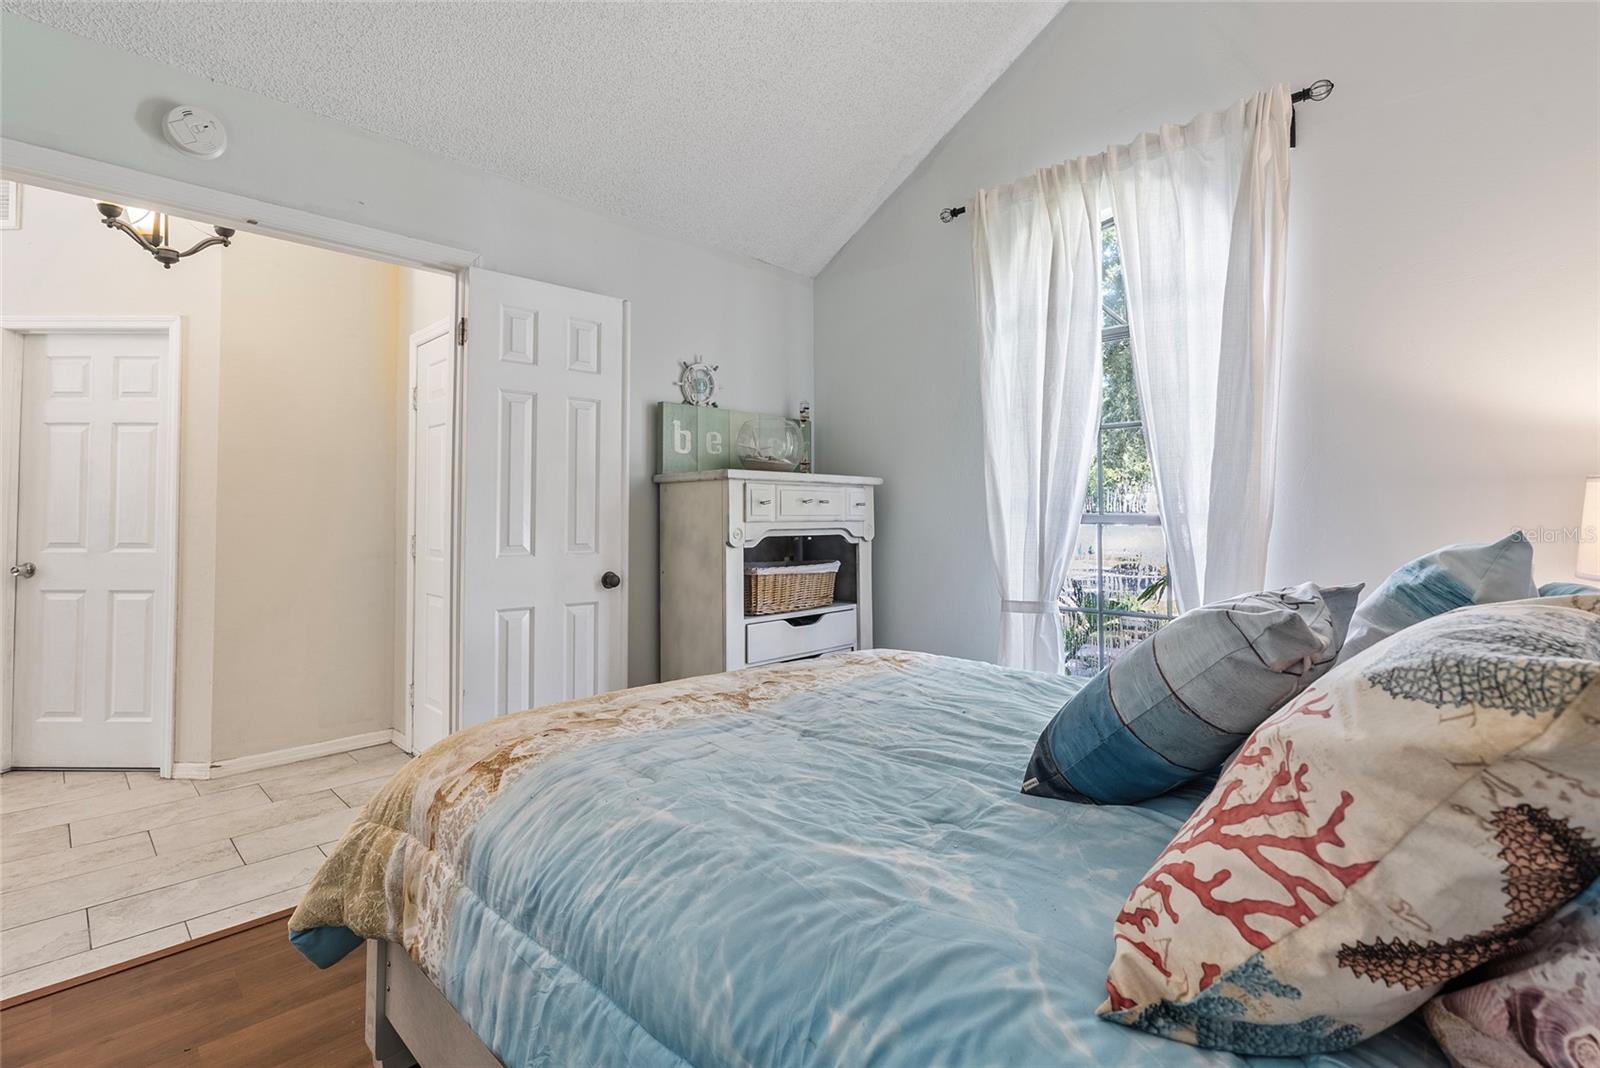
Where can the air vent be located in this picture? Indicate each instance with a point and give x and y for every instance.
(10, 206)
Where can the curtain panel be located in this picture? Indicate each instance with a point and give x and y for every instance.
(1202, 214)
(1036, 259)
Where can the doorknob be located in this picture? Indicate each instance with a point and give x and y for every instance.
(22, 570)
(611, 580)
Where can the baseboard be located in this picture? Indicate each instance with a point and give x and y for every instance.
(399, 741)
(181, 770)
(234, 765)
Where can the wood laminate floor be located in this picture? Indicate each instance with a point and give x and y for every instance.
(246, 1000)
(98, 867)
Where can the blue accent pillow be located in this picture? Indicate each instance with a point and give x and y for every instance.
(1174, 706)
(1444, 580)
(1566, 589)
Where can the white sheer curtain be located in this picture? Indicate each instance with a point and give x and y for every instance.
(1202, 215)
(1036, 259)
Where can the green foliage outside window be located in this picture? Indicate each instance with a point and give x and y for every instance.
(1110, 603)
(1124, 454)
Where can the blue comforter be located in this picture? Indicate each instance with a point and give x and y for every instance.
(817, 864)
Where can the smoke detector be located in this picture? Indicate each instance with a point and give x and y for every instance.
(195, 132)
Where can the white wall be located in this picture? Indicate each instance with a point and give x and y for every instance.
(754, 320)
(1442, 365)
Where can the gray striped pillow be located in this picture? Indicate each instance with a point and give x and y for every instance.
(1179, 702)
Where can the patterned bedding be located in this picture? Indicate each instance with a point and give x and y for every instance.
(821, 863)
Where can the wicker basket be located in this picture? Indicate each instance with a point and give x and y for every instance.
(772, 588)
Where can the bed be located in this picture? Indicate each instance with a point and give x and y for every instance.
(819, 863)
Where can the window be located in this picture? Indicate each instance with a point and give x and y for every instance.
(1116, 593)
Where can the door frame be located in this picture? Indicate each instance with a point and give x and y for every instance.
(64, 172)
(170, 326)
(10, 489)
(431, 332)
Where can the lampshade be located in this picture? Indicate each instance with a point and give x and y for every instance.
(148, 224)
(1589, 532)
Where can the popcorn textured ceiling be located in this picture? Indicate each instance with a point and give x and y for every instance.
(768, 129)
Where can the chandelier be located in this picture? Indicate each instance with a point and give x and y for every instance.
(150, 230)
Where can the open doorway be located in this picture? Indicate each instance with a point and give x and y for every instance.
(227, 488)
(326, 414)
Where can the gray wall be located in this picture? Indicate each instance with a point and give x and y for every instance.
(70, 94)
(1441, 377)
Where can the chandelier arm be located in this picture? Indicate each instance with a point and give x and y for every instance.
(207, 243)
(137, 238)
(114, 217)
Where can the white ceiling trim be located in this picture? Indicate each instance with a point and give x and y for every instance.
(98, 180)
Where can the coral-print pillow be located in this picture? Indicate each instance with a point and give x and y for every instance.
(1401, 822)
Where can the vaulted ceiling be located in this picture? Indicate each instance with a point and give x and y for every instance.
(768, 129)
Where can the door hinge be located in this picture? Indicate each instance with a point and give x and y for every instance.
(413, 546)
(413, 398)
(411, 694)
(461, 330)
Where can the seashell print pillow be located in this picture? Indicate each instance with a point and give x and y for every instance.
(1407, 818)
(1540, 1004)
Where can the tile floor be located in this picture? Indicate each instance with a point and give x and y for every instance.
(97, 867)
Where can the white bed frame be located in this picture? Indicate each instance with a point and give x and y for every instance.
(410, 1023)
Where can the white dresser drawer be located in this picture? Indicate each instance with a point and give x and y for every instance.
(784, 639)
(812, 502)
(760, 501)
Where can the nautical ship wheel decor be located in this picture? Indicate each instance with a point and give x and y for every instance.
(698, 382)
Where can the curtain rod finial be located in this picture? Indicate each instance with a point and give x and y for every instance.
(950, 213)
(1320, 89)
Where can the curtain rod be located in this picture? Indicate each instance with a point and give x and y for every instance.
(1320, 89)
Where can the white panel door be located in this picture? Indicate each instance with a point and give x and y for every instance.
(93, 632)
(434, 377)
(543, 614)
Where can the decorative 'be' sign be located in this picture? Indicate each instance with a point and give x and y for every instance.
(695, 438)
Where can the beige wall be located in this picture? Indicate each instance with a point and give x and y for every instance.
(425, 298)
(307, 448)
(292, 465)
(64, 262)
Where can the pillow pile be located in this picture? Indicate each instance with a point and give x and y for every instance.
(1179, 702)
(1452, 577)
(1404, 820)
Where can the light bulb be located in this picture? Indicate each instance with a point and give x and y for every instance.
(146, 222)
